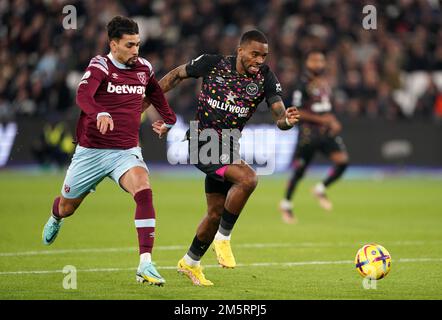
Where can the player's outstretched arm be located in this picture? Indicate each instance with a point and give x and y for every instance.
(173, 78)
(155, 95)
(285, 118)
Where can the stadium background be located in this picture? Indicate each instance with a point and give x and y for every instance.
(387, 85)
(386, 81)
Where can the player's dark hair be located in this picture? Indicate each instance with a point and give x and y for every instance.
(120, 26)
(253, 35)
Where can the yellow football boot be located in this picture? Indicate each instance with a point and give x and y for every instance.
(224, 253)
(195, 274)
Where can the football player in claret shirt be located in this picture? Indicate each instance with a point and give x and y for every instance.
(232, 88)
(110, 96)
(318, 131)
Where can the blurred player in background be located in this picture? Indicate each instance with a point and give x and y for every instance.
(318, 131)
(110, 96)
(233, 86)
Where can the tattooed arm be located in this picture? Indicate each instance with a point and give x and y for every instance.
(173, 78)
(168, 82)
(285, 119)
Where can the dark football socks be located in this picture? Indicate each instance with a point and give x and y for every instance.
(335, 173)
(55, 211)
(145, 220)
(227, 222)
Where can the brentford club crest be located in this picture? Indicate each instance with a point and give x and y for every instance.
(142, 77)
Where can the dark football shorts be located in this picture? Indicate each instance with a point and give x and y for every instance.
(214, 170)
(312, 139)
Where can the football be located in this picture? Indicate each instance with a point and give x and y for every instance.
(373, 261)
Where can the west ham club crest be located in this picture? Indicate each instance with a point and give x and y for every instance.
(142, 77)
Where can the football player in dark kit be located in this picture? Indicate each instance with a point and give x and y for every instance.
(318, 131)
(232, 88)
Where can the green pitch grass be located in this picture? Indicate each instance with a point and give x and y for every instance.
(310, 260)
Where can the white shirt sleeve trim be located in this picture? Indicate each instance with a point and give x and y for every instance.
(103, 114)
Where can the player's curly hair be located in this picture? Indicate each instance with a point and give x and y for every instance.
(120, 26)
(253, 35)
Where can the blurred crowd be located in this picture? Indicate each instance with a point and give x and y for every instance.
(41, 62)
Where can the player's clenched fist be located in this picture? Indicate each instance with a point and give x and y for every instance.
(160, 128)
(292, 116)
(105, 122)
